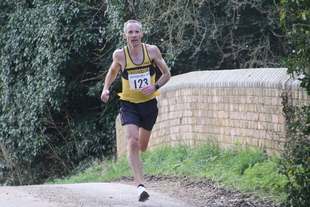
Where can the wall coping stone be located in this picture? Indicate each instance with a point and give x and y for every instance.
(239, 78)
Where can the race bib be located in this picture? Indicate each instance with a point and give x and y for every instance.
(136, 81)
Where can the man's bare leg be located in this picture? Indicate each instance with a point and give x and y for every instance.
(134, 158)
(137, 141)
(144, 137)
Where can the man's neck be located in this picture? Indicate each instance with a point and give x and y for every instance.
(135, 50)
(136, 53)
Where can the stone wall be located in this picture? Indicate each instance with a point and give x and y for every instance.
(225, 107)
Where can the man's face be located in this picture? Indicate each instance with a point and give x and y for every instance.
(133, 34)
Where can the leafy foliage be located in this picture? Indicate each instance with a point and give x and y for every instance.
(295, 159)
(295, 162)
(51, 116)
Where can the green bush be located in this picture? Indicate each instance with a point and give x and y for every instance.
(295, 162)
(52, 117)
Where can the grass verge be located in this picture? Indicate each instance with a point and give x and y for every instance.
(238, 168)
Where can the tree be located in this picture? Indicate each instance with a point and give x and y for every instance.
(295, 162)
(209, 34)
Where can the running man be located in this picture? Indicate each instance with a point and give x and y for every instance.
(138, 101)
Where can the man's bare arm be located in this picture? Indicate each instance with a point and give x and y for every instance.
(110, 77)
(156, 56)
(161, 63)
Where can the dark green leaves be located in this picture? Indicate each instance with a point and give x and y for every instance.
(49, 121)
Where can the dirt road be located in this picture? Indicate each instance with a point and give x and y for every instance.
(82, 195)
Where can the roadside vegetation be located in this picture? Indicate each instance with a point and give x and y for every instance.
(238, 168)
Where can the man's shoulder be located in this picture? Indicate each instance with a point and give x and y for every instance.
(118, 54)
(153, 51)
(151, 47)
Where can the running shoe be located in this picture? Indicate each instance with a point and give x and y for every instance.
(142, 194)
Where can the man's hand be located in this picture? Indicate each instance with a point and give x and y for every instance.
(148, 90)
(105, 95)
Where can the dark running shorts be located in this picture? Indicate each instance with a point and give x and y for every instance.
(141, 114)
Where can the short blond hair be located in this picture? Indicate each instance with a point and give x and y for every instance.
(132, 21)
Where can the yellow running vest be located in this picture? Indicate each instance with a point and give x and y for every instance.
(135, 76)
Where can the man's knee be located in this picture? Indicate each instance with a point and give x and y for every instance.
(133, 143)
(143, 148)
